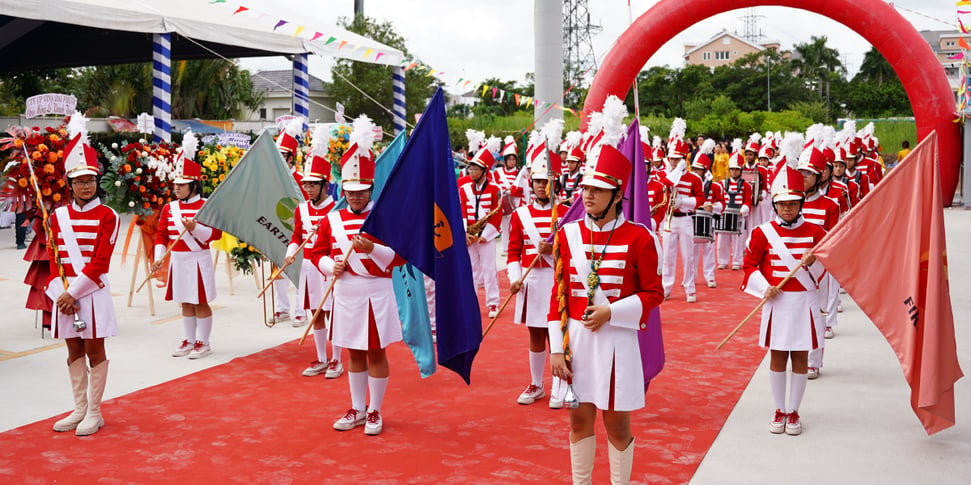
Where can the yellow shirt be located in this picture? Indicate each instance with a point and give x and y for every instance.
(719, 168)
(902, 153)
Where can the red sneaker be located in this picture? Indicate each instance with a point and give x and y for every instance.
(778, 424)
(793, 426)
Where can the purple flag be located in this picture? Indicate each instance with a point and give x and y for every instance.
(637, 208)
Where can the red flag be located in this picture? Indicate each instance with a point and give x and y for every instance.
(890, 255)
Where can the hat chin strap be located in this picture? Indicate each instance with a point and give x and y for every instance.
(785, 223)
(613, 195)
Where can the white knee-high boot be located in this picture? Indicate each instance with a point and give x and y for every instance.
(621, 463)
(92, 419)
(581, 459)
(79, 384)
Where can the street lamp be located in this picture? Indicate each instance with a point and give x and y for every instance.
(768, 82)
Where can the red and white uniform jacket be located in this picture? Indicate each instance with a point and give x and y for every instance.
(170, 226)
(763, 265)
(839, 193)
(505, 178)
(763, 179)
(852, 189)
(689, 194)
(861, 180)
(737, 193)
(658, 194)
(821, 211)
(334, 236)
(478, 202)
(298, 177)
(86, 260)
(529, 225)
(570, 185)
(305, 218)
(715, 196)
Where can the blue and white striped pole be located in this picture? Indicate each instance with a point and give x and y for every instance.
(162, 86)
(398, 86)
(301, 86)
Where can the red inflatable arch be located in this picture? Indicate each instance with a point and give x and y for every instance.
(879, 23)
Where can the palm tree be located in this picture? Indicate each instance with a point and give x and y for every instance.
(818, 64)
(875, 68)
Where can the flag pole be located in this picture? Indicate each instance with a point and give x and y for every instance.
(763, 302)
(509, 298)
(276, 273)
(166, 253)
(320, 306)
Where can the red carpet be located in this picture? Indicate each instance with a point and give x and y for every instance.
(256, 420)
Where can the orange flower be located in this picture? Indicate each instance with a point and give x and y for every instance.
(18, 143)
(60, 183)
(55, 138)
(62, 131)
(56, 197)
(126, 168)
(35, 155)
(22, 182)
(141, 189)
(51, 157)
(42, 147)
(48, 168)
(46, 191)
(147, 205)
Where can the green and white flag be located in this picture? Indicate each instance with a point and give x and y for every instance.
(256, 203)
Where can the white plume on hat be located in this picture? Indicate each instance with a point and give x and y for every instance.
(736, 145)
(552, 132)
(815, 134)
(849, 130)
(755, 137)
(791, 148)
(509, 139)
(190, 143)
(573, 139)
(78, 126)
(362, 133)
(645, 133)
(294, 126)
(534, 140)
(678, 127)
(707, 146)
(829, 137)
(493, 144)
(320, 141)
(867, 130)
(656, 143)
(475, 139)
(768, 136)
(614, 112)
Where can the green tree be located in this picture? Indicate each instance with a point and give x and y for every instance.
(818, 65)
(875, 68)
(375, 79)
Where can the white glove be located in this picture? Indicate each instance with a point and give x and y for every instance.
(678, 202)
(744, 210)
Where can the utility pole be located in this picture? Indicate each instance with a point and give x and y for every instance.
(768, 81)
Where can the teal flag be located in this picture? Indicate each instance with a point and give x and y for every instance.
(256, 203)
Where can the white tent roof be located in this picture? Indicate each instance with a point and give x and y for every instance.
(256, 27)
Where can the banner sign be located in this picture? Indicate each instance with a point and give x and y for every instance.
(50, 103)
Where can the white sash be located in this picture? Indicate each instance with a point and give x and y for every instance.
(344, 243)
(176, 214)
(530, 227)
(70, 239)
(308, 225)
(580, 261)
(783, 252)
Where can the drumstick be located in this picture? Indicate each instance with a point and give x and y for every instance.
(320, 307)
(166, 253)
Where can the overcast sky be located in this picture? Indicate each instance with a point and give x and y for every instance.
(475, 39)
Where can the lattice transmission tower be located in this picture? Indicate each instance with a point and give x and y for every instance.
(578, 54)
(750, 27)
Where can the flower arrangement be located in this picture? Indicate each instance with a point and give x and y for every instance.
(45, 149)
(217, 160)
(244, 256)
(339, 142)
(137, 176)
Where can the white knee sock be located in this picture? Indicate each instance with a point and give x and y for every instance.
(189, 325)
(357, 381)
(537, 362)
(320, 341)
(205, 329)
(335, 351)
(777, 382)
(797, 384)
(377, 386)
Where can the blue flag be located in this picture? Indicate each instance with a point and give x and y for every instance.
(418, 215)
(409, 283)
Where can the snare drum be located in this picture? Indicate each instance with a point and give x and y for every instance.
(507, 205)
(703, 226)
(730, 222)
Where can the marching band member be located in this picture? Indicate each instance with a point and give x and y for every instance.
(504, 176)
(288, 145)
(688, 195)
(607, 284)
(757, 176)
(84, 232)
(841, 179)
(479, 199)
(192, 280)
(312, 282)
(737, 194)
(788, 318)
(713, 202)
(570, 180)
(365, 314)
(530, 227)
(659, 188)
(824, 212)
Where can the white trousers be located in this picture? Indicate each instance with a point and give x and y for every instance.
(430, 296)
(829, 296)
(484, 272)
(731, 248)
(705, 252)
(504, 231)
(680, 239)
(280, 295)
